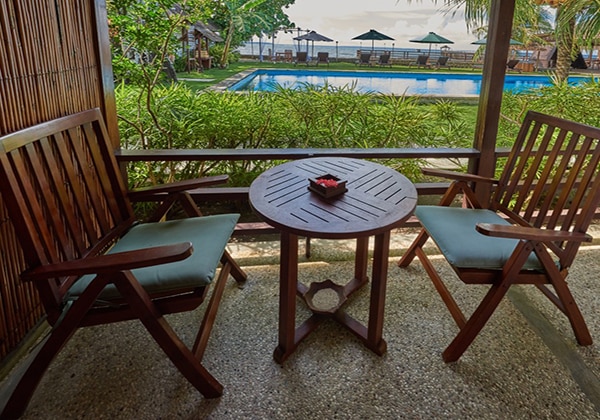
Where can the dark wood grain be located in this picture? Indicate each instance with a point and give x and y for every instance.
(378, 198)
(549, 190)
(68, 203)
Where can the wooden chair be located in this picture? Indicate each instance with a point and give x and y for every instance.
(92, 262)
(529, 232)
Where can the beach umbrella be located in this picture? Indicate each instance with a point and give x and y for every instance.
(373, 36)
(432, 38)
(312, 36)
(483, 41)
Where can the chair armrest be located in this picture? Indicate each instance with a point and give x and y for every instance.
(530, 233)
(189, 184)
(110, 263)
(458, 176)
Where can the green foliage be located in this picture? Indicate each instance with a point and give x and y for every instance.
(241, 19)
(144, 34)
(316, 117)
(217, 52)
(574, 102)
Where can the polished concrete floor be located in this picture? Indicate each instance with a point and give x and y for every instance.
(524, 365)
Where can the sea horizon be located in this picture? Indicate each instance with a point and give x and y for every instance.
(350, 51)
(335, 51)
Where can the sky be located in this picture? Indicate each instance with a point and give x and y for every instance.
(402, 20)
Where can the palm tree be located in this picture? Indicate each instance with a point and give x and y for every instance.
(586, 14)
(531, 16)
(240, 12)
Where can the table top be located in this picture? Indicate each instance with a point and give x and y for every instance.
(378, 198)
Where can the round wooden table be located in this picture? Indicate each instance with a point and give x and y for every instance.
(377, 200)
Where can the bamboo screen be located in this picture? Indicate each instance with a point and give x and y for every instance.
(50, 66)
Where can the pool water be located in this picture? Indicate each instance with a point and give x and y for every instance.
(394, 83)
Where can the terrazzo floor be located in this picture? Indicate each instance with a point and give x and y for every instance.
(524, 365)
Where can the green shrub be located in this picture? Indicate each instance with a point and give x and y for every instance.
(316, 117)
(574, 102)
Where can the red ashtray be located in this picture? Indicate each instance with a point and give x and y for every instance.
(327, 185)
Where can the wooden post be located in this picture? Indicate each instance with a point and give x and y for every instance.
(490, 99)
(109, 106)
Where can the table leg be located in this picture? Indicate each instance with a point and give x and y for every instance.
(361, 263)
(381, 253)
(361, 259)
(288, 278)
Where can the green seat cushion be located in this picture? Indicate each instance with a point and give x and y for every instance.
(453, 230)
(209, 236)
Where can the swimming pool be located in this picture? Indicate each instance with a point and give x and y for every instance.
(394, 83)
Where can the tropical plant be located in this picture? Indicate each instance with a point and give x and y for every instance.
(144, 35)
(586, 14)
(241, 19)
(315, 117)
(531, 18)
(578, 102)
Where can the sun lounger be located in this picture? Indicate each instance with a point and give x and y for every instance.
(442, 61)
(364, 59)
(322, 58)
(422, 61)
(384, 60)
(301, 58)
(511, 65)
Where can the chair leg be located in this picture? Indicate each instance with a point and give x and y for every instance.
(442, 290)
(568, 304)
(181, 356)
(573, 313)
(236, 271)
(410, 254)
(210, 313)
(488, 305)
(62, 331)
(476, 322)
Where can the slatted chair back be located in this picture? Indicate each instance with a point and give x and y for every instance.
(65, 193)
(530, 230)
(551, 179)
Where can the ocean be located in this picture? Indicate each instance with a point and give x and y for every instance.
(335, 51)
(254, 48)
